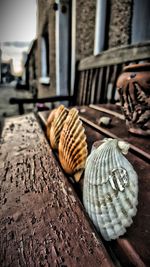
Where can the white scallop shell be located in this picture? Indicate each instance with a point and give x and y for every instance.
(110, 189)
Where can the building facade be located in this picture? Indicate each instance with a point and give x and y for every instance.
(68, 31)
(7, 75)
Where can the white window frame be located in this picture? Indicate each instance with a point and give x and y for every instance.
(140, 21)
(100, 26)
(44, 79)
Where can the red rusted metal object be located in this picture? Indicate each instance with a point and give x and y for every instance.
(134, 89)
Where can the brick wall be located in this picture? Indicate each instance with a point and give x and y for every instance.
(119, 32)
(118, 28)
(46, 16)
(85, 27)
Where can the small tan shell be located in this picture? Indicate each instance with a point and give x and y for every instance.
(56, 122)
(73, 146)
(104, 121)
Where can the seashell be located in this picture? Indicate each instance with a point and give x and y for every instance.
(110, 189)
(56, 122)
(72, 145)
(104, 121)
(49, 122)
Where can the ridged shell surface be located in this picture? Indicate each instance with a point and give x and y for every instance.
(49, 122)
(72, 145)
(110, 191)
(57, 123)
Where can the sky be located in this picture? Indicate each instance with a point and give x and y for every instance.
(17, 23)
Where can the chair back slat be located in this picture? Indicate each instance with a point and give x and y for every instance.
(96, 77)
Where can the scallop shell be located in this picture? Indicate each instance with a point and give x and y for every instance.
(49, 122)
(56, 124)
(105, 121)
(110, 190)
(73, 146)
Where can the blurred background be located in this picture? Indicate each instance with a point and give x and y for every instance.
(41, 42)
(17, 30)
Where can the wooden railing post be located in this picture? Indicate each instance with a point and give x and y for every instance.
(21, 108)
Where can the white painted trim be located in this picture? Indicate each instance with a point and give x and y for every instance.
(140, 21)
(57, 52)
(43, 58)
(62, 48)
(73, 46)
(100, 25)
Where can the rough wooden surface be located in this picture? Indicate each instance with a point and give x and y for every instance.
(117, 128)
(42, 222)
(117, 56)
(132, 249)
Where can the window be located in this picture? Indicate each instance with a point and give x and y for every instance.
(45, 79)
(100, 26)
(140, 21)
(63, 35)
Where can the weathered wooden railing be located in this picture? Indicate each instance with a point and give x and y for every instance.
(97, 75)
(131, 249)
(52, 100)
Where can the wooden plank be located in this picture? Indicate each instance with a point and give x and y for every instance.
(118, 129)
(89, 87)
(52, 99)
(106, 82)
(79, 87)
(117, 55)
(94, 85)
(86, 82)
(99, 85)
(116, 73)
(90, 116)
(101, 98)
(108, 111)
(132, 249)
(42, 221)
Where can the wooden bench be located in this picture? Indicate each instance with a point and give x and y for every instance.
(34, 167)
(95, 79)
(96, 76)
(53, 99)
(132, 249)
(42, 221)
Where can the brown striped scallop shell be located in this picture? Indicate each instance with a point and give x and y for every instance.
(56, 122)
(49, 122)
(72, 145)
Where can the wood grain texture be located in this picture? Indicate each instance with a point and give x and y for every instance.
(42, 221)
(132, 249)
(117, 55)
(117, 129)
